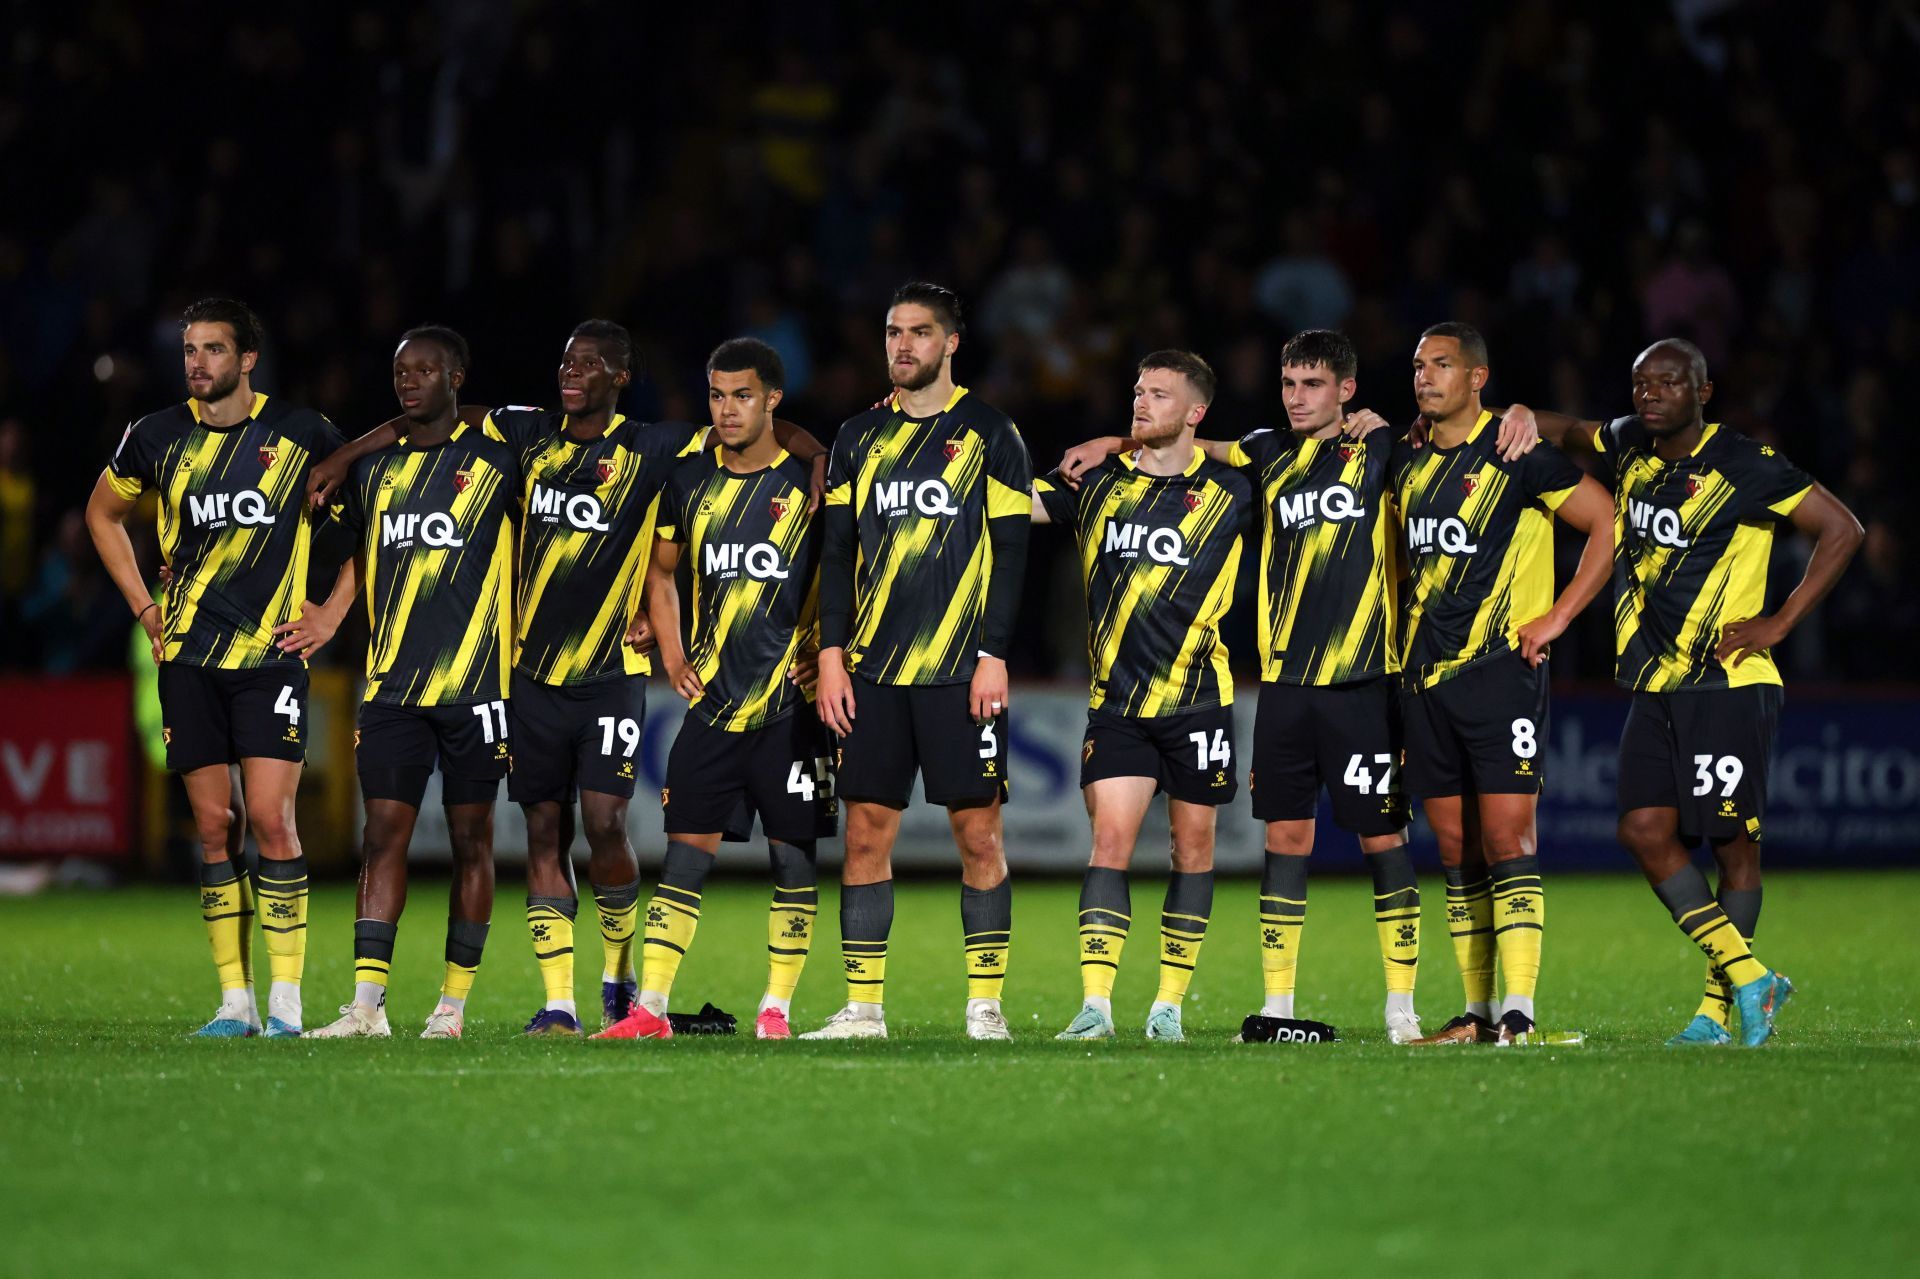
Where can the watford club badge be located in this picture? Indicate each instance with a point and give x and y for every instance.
(954, 449)
(607, 469)
(1194, 499)
(778, 507)
(268, 456)
(1468, 484)
(1693, 486)
(461, 479)
(1347, 451)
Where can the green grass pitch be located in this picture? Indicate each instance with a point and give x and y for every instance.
(127, 1149)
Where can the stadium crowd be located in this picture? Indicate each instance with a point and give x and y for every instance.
(1097, 180)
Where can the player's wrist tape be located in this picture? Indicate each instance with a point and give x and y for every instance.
(1286, 1030)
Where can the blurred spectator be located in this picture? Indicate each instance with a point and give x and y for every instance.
(502, 168)
(1691, 296)
(1304, 288)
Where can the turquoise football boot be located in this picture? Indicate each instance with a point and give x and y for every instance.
(1760, 1002)
(1702, 1032)
(1088, 1023)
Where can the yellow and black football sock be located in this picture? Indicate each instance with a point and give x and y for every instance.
(372, 960)
(466, 941)
(249, 912)
(790, 919)
(1743, 909)
(1519, 927)
(1700, 917)
(672, 918)
(1396, 916)
(1283, 916)
(1470, 921)
(282, 895)
(619, 907)
(1183, 927)
(866, 917)
(220, 909)
(550, 926)
(1106, 911)
(986, 926)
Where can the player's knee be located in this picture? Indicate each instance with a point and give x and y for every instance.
(604, 830)
(1293, 839)
(1112, 846)
(273, 831)
(543, 829)
(867, 839)
(213, 827)
(1192, 858)
(1644, 831)
(471, 847)
(978, 841)
(1505, 845)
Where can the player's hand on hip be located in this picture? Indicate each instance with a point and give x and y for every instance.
(307, 632)
(835, 700)
(1741, 640)
(1519, 433)
(1538, 635)
(327, 475)
(686, 681)
(150, 623)
(988, 696)
(639, 636)
(1361, 423)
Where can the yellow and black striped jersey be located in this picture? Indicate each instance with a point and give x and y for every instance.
(1327, 575)
(434, 528)
(1692, 541)
(585, 535)
(754, 554)
(1159, 554)
(233, 524)
(922, 491)
(1478, 533)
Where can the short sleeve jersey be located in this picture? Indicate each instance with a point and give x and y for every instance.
(1159, 555)
(1327, 564)
(585, 535)
(754, 555)
(1478, 535)
(234, 531)
(1693, 540)
(433, 523)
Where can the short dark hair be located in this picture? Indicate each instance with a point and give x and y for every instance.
(737, 355)
(1321, 346)
(452, 343)
(616, 344)
(937, 298)
(248, 332)
(1197, 370)
(1473, 347)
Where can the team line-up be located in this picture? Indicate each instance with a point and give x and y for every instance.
(852, 616)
